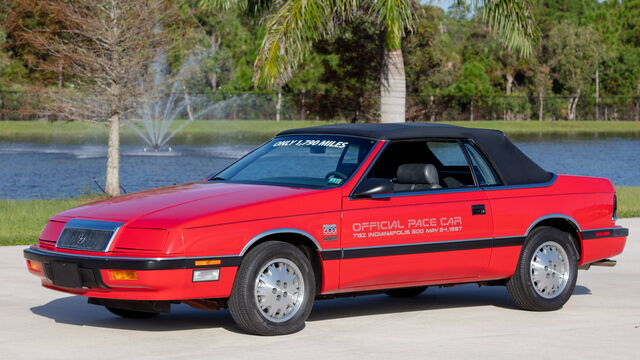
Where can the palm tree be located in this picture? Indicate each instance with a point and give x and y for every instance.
(292, 26)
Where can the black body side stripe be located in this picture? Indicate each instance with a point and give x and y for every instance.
(417, 249)
(102, 262)
(375, 251)
(509, 241)
(605, 233)
(115, 263)
(331, 254)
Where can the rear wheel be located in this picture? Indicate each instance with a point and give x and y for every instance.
(274, 290)
(131, 314)
(406, 292)
(547, 271)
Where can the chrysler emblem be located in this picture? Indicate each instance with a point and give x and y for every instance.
(81, 239)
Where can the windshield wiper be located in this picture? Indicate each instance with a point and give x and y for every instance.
(217, 178)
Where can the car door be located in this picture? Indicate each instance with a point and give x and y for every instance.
(410, 237)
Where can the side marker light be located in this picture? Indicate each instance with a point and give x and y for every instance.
(208, 262)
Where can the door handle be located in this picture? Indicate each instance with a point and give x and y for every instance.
(478, 209)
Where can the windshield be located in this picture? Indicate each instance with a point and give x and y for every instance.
(307, 161)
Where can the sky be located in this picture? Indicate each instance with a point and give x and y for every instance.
(441, 3)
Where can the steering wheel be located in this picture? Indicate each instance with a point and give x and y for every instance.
(337, 174)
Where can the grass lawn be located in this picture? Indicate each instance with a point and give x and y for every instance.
(628, 201)
(198, 132)
(22, 221)
(206, 132)
(557, 127)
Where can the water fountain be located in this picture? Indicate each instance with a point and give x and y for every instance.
(166, 99)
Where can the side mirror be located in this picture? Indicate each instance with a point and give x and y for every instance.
(373, 186)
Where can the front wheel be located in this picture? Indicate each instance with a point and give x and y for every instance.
(547, 271)
(274, 290)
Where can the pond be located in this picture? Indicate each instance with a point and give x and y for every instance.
(29, 170)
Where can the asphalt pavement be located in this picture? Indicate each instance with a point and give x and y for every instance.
(600, 321)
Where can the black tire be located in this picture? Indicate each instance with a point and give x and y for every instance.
(243, 304)
(522, 287)
(131, 314)
(406, 292)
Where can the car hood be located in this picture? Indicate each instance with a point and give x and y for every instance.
(176, 205)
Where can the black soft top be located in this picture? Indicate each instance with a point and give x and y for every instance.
(514, 166)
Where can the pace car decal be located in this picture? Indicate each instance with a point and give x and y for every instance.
(329, 232)
(406, 227)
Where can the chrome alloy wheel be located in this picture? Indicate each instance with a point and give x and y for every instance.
(549, 270)
(279, 290)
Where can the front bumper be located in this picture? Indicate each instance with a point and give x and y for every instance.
(157, 278)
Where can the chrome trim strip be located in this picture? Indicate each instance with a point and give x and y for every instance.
(111, 240)
(505, 237)
(279, 231)
(552, 216)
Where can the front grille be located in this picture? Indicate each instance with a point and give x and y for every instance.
(87, 235)
(84, 239)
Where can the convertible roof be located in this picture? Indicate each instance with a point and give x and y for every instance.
(514, 166)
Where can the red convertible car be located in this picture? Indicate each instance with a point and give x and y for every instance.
(339, 209)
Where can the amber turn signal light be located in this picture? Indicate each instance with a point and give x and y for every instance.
(123, 275)
(207, 262)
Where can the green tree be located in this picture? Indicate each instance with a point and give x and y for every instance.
(346, 85)
(473, 84)
(12, 72)
(574, 56)
(293, 25)
(107, 47)
(617, 22)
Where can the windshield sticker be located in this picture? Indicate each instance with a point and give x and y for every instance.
(408, 227)
(334, 180)
(312, 142)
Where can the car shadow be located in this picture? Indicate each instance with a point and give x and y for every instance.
(434, 298)
(581, 290)
(74, 310)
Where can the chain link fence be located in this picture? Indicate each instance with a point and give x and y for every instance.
(15, 105)
(460, 107)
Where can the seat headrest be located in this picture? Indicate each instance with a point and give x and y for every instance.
(418, 174)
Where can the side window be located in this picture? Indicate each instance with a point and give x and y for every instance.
(448, 153)
(483, 170)
(424, 165)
